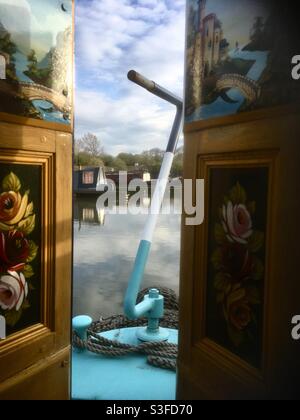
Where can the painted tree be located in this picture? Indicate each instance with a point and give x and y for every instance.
(9, 47)
(257, 29)
(32, 62)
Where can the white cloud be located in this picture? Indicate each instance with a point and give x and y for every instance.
(113, 36)
(131, 123)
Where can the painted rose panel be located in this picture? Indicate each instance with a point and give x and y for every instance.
(236, 265)
(20, 241)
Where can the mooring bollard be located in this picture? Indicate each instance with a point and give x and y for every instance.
(80, 325)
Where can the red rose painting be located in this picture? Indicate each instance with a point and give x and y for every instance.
(14, 251)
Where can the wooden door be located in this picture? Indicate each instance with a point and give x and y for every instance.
(239, 290)
(262, 161)
(36, 202)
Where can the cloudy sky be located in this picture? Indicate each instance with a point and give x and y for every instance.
(112, 37)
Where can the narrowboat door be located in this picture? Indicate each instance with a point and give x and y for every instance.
(239, 291)
(36, 50)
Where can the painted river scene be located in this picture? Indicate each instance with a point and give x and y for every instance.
(36, 59)
(232, 58)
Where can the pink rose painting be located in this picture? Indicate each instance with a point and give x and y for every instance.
(17, 249)
(237, 222)
(237, 270)
(13, 291)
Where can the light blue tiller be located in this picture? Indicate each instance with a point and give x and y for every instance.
(152, 307)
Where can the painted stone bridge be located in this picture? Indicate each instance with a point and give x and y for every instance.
(248, 87)
(33, 91)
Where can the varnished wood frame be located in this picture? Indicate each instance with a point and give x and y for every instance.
(40, 343)
(46, 163)
(34, 122)
(265, 159)
(201, 376)
(242, 117)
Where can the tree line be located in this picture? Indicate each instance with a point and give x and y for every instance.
(89, 152)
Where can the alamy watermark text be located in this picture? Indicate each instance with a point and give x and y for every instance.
(296, 327)
(126, 198)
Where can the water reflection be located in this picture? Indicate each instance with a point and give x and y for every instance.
(86, 211)
(105, 246)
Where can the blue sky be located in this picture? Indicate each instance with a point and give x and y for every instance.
(112, 37)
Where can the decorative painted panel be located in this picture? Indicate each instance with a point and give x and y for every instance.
(20, 245)
(26, 242)
(238, 205)
(239, 56)
(36, 44)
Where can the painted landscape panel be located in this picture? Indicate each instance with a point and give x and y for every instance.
(239, 56)
(36, 59)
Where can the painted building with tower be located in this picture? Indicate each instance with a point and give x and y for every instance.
(212, 35)
(207, 50)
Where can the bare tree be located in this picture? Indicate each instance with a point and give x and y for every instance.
(90, 144)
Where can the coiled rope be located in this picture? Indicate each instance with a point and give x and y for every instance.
(162, 355)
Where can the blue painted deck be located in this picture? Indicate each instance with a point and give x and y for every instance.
(97, 377)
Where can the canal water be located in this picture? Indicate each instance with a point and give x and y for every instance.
(105, 246)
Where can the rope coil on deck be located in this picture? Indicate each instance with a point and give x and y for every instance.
(163, 355)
